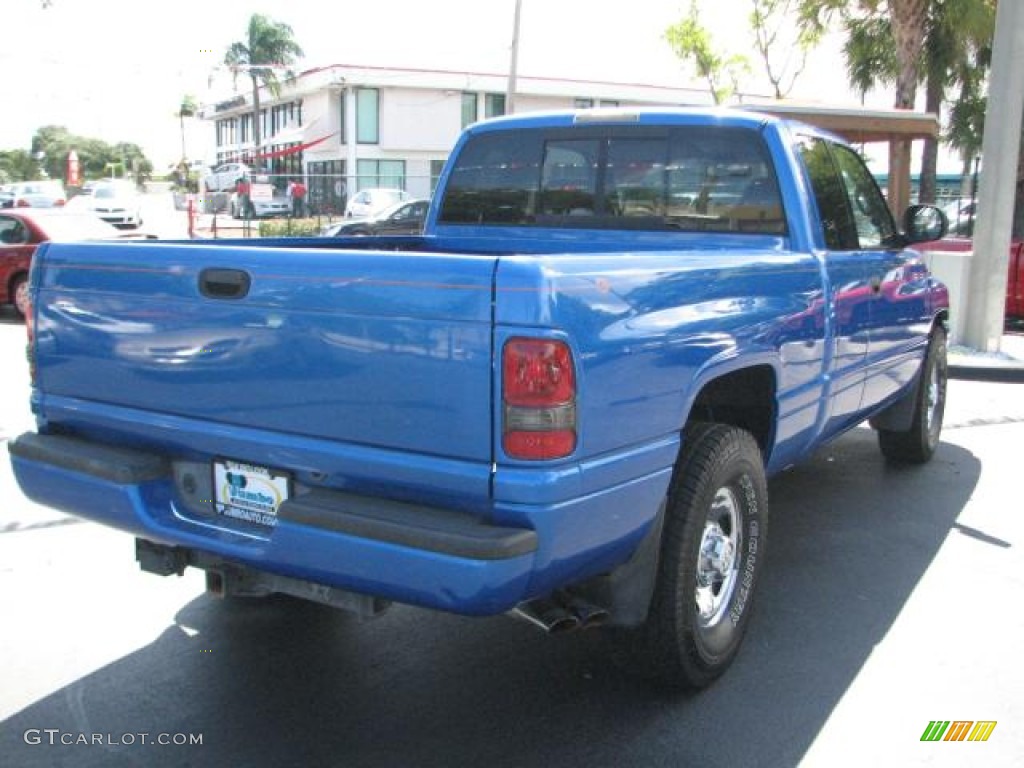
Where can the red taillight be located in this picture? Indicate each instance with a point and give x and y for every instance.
(539, 396)
(537, 372)
(22, 203)
(59, 202)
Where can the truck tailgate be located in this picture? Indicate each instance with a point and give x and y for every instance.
(390, 350)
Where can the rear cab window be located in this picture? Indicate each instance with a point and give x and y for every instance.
(681, 178)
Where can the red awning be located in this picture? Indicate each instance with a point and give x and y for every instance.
(296, 148)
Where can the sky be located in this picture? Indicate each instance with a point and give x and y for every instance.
(118, 69)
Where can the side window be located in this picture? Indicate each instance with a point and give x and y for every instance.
(874, 223)
(11, 231)
(830, 195)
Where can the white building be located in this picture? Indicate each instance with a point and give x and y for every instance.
(347, 128)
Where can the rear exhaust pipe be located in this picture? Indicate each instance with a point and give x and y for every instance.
(561, 612)
(588, 614)
(548, 615)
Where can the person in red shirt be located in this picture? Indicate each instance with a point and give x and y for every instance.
(243, 189)
(297, 192)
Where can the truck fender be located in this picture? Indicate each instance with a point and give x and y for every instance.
(731, 367)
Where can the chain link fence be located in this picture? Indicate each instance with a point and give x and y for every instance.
(264, 205)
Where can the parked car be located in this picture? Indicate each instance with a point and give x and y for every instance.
(400, 219)
(369, 202)
(223, 177)
(34, 194)
(116, 202)
(260, 207)
(961, 213)
(1014, 311)
(22, 229)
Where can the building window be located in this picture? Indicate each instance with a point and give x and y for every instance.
(284, 166)
(245, 128)
(436, 166)
(327, 190)
(380, 173)
(367, 116)
(342, 116)
(469, 109)
(263, 126)
(583, 104)
(494, 105)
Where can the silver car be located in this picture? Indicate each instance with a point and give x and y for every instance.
(223, 177)
(34, 194)
(368, 202)
(117, 203)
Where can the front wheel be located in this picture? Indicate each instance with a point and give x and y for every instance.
(917, 444)
(712, 552)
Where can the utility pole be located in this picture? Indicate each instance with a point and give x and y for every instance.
(510, 95)
(1000, 147)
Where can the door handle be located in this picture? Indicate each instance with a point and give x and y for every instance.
(218, 283)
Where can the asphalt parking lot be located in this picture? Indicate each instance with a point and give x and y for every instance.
(891, 599)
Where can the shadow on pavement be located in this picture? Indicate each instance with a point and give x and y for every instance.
(276, 682)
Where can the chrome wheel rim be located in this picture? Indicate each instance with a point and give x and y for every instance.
(718, 558)
(933, 399)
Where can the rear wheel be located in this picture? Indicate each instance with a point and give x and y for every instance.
(711, 555)
(917, 444)
(19, 294)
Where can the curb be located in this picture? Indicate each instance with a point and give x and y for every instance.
(1005, 374)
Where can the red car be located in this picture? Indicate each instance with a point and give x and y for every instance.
(22, 229)
(1014, 277)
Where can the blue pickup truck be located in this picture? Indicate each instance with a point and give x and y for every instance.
(560, 402)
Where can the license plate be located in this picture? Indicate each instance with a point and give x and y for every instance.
(248, 492)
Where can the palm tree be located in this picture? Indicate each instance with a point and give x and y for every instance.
(881, 37)
(188, 108)
(268, 47)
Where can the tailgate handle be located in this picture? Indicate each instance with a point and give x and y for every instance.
(216, 283)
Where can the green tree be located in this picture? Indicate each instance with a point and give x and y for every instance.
(950, 54)
(772, 24)
(269, 46)
(907, 20)
(97, 157)
(17, 165)
(692, 42)
(187, 108)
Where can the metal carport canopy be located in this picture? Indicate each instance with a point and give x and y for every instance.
(857, 125)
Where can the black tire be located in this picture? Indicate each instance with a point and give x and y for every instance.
(701, 605)
(917, 445)
(18, 293)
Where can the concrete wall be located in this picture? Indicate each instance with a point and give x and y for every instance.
(954, 269)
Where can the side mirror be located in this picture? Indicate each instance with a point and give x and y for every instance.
(922, 223)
